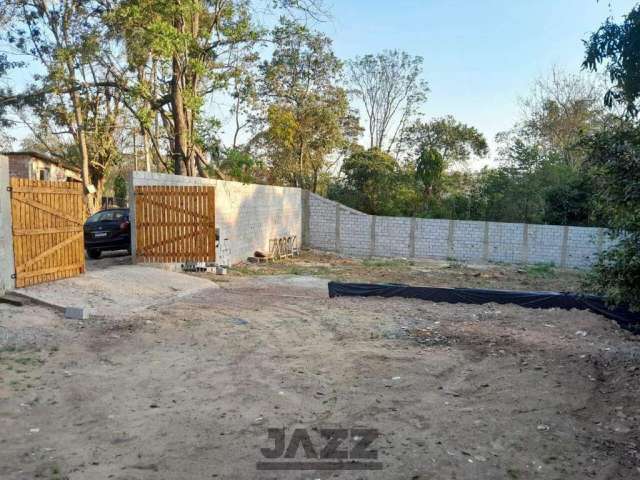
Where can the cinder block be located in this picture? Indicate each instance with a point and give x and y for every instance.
(76, 313)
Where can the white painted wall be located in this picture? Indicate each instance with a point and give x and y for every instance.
(334, 227)
(246, 214)
(6, 239)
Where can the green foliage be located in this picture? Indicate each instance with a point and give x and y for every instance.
(371, 174)
(618, 46)
(307, 115)
(119, 188)
(530, 186)
(568, 201)
(615, 156)
(453, 140)
(540, 270)
(429, 169)
(241, 166)
(198, 45)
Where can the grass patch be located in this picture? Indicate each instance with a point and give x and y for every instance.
(541, 270)
(302, 270)
(34, 361)
(379, 263)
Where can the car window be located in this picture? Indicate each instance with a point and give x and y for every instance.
(98, 217)
(108, 216)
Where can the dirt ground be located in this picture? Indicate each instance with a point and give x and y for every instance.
(434, 273)
(187, 390)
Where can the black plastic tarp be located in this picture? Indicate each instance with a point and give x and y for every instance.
(477, 296)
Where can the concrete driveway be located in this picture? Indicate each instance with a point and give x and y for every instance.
(112, 287)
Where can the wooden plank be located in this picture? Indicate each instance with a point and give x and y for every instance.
(154, 201)
(211, 199)
(40, 206)
(175, 223)
(40, 256)
(53, 270)
(45, 189)
(46, 246)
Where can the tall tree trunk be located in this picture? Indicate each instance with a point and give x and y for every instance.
(81, 139)
(147, 153)
(180, 127)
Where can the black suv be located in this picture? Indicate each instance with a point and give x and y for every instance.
(107, 230)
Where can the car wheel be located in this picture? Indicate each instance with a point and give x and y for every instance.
(94, 253)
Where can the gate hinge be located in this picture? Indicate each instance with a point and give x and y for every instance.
(9, 189)
(14, 276)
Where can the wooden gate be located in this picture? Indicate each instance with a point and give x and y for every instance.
(48, 219)
(175, 224)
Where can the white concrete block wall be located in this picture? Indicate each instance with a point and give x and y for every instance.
(506, 242)
(544, 243)
(583, 245)
(6, 238)
(392, 237)
(322, 223)
(468, 241)
(575, 247)
(431, 238)
(355, 234)
(247, 215)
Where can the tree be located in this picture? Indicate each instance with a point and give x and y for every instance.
(569, 201)
(74, 94)
(391, 91)
(119, 189)
(455, 141)
(617, 46)
(306, 114)
(197, 41)
(371, 174)
(615, 156)
(429, 170)
(560, 110)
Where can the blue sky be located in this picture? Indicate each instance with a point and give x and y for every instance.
(479, 55)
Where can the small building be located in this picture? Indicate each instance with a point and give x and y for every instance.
(39, 166)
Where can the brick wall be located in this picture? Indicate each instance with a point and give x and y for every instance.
(19, 166)
(247, 215)
(334, 227)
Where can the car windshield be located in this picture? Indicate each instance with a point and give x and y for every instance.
(107, 216)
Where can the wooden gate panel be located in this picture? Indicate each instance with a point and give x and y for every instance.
(175, 224)
(48, 219)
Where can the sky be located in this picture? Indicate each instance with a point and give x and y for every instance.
(480, 56)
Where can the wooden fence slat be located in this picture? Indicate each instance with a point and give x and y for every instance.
(48, 220)
(175, 224)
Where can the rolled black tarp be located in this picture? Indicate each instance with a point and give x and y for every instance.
(478, 296)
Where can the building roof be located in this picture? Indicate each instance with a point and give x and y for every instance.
(44, 157)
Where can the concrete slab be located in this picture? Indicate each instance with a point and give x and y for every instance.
(117, 291)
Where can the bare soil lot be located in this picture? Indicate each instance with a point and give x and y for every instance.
(435, 273)
(187, 390)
